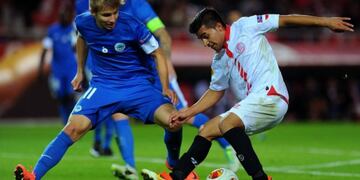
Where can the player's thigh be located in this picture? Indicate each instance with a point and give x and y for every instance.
(77, 126)
(259, 113)
(119, 116)
(211, 129)
(230, 121)
(162, 115)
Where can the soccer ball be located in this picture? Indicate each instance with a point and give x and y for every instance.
(222, 174)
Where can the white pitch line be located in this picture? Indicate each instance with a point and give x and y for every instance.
(324, 151)
(323, 165)
(316, 173)
(284, 169)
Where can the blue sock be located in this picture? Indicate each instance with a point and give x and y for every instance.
(63, 113)
(66, 106)
(173, 144)
(52, 154)
(125, 141)
(97, 133)
(109, 127)
(201, 119)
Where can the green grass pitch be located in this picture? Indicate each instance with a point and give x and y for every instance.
(290, 151)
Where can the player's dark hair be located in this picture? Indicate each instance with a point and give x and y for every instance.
(97, 5)
(208, 17)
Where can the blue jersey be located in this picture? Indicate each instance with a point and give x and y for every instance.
(117, 55)
(120, 81)
(141, 9)
(61, 40)
(63, 64)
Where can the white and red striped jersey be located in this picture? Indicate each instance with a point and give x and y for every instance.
(247, 63)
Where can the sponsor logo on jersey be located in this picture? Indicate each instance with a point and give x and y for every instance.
(259, 18)
(104, 50)
(240, 47)
(119, 47)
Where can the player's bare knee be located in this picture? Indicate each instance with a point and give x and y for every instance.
(119, 117)
(209, 131)
(77, 126)
(229, 122)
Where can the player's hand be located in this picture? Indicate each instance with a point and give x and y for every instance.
(77, 81)
(180, 117)
(339, 24)
(172, 95)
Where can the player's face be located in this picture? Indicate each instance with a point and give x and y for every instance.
(106, 17)
(213, 38)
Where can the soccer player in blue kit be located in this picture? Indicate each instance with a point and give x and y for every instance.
(101, 145)
(118, 45)
(60, 40)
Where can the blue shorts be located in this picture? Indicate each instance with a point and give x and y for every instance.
(138, 101)
(60, 85)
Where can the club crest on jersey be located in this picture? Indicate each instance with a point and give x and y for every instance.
(119, 47)
(240, 47)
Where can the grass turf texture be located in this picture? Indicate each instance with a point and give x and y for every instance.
(296, 151)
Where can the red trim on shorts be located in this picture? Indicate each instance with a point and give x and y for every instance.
(273, 92)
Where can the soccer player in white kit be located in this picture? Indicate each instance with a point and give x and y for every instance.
(245, 63)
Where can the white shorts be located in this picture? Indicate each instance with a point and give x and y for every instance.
(259, 113)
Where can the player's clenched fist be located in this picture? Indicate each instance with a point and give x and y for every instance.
(77, 81)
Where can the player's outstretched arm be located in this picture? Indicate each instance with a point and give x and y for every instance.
(336, 24)
(209, 98)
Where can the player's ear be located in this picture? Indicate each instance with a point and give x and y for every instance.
(219, 26)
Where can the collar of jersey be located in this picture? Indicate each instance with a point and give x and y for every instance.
(227, 37)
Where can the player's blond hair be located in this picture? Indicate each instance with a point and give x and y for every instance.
(97, 5)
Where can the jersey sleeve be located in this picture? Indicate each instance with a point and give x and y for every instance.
(146, 40)
(47, 42)
(145, 13)
(219, 80)
(76, 26)
(261, 24)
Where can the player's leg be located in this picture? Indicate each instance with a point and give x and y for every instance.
(109, 129)
(173, 137)
(254, 114)
(61, 92)
(198, 150)
(77, 126)
(97, 147)
(125, 142)
(173, 144)
(66, 104)
(125, 139)
(234, 132)
(198, 121)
